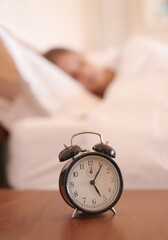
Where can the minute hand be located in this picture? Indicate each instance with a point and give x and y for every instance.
(98, 172)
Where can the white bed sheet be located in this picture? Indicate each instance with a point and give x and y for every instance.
(36, 143)
(34, 147)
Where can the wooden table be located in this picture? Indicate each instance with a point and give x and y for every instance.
(27, 215)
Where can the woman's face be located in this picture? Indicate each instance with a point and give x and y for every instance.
(90, 76)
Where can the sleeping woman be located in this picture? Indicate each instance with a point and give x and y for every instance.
(92, 77)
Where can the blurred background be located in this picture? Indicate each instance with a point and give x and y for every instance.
(41, 106)
(87, 25)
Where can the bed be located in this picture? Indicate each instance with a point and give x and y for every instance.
(133, 117)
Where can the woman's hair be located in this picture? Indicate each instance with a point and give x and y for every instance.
(54, 53)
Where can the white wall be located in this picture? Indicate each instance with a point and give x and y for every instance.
(80, 24)
(44, 23)
(109, 23)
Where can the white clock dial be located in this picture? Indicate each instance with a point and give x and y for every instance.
(93, 183)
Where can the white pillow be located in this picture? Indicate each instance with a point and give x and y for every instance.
(46, 89)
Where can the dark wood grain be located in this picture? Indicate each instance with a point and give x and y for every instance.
(33, 215)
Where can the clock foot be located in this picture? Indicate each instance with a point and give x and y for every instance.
(113, 210)
(75, 213)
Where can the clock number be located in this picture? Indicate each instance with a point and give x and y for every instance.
(108, 170)
(71, 184)
(90, 163)
(104, 198)
(109, 190)
(75, 194)
(94, 201)
(84, 199)
(75, 174)
(112, 180)
(82, 166)
(100, 164)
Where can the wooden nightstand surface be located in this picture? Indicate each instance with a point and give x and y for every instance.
(141, 215)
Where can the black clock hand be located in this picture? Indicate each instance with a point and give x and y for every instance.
(97, 190)
(98, 171)
(92, 182)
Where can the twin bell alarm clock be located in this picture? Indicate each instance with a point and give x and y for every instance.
(90, 181)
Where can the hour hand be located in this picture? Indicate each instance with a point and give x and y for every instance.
(92, 182)
(97, 190)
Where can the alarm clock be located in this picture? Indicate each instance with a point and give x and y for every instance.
(90, 181)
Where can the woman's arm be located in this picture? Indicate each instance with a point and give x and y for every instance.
(9, 76)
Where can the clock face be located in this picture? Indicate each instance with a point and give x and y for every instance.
(94, 183)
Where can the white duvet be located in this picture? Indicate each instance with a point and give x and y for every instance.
(133, 117)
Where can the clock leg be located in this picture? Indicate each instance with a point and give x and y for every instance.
(75, 213)
(113, 210)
